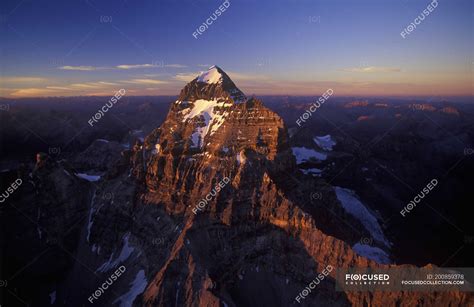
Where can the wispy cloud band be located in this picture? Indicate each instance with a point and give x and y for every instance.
(372, 69)
(121, 66)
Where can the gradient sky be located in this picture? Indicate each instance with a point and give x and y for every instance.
(296, 47)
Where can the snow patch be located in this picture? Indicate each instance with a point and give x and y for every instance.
(126, 251)
(240, 157)
(312, 171)
(52, 297)
(303, 154)
(371, 252)
(325, 142)
(138, 285)
(211, 76)
(90, 178)
(212, 119)
(157, 149)
(351, 203)
(96, 249)
(196, 137)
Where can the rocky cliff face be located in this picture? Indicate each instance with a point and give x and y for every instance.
(100, 155)
(212, 210)
(40, 226)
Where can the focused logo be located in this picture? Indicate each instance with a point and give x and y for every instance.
(367, 279)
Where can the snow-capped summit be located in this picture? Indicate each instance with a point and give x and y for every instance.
(213, 84)
(211, 76)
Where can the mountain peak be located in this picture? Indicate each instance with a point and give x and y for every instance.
(212, 115)
(211, 76)
(212, 84)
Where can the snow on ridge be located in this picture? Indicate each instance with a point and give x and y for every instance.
(138, 285)
(351, 203)
(304, 154)
(212, 76)
(325, 142)
(371, 252)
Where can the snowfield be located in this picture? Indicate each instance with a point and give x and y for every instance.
(303, 154)
(325, 142)
(212, 119)
(137, 287)
(351, 203)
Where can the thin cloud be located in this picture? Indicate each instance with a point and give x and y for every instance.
(372, 69)
(66, 89)
(82, 68)
(186, 77)
(100, 93)
(135, 66)
(86, 85)
(150, 75)
(94, 85)
(107, 83)
(120, 67)
(23, 79)
(34, 92)
(144, 81)
(176, 65)
(59, 88)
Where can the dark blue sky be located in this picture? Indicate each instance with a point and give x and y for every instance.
(268, 47)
